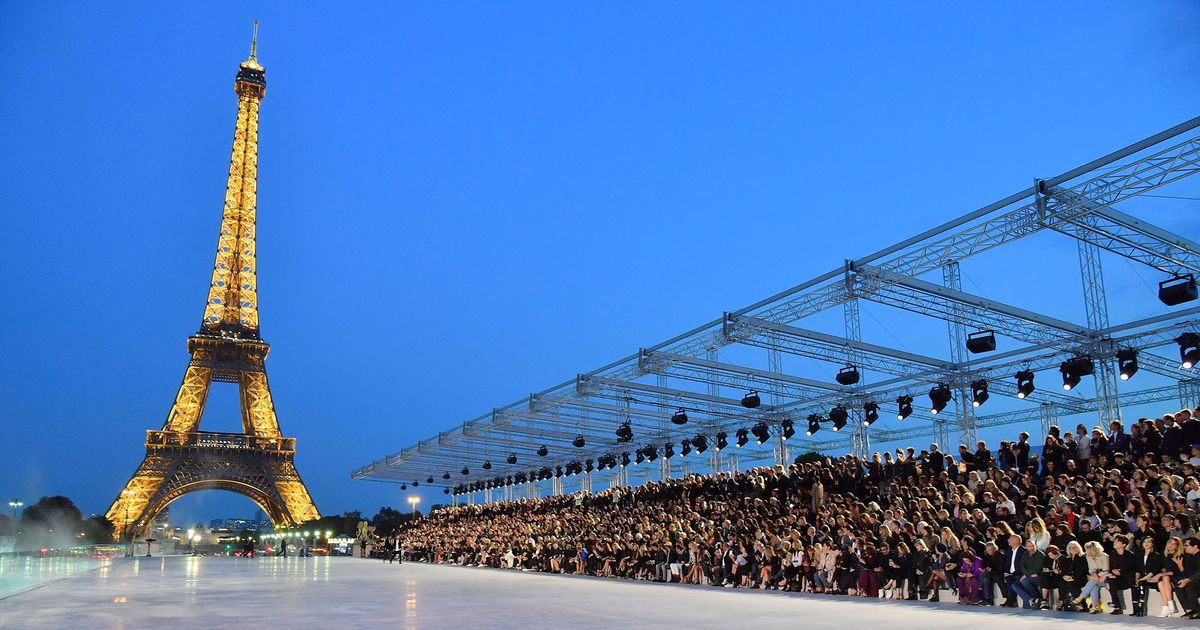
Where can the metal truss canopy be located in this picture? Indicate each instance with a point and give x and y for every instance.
(688, 375)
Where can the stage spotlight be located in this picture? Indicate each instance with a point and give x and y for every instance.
(838, 416)
(578, 442)
(904, 407)
(512, 458)
(686, 448)
(466, 471)
(751, 400)
(558, 471)
(416, 483)
(641, 457)
(624, 459)
(761, 432)
(680, 417)
(445, 475)
(1024, 383)
(700, 443)
(722, 440)
(1073, 370)
(1189, 350)
(587, 466)
(651, 453)
(979, 393)
(847, 375)
(445, 490)
(741, 437)
(624, 433)
(1177, 290)
(814, 423)
(981, 341)
(429, 480)
(871, 409)
(788, 429)
(668, 450)
(487, 464)
(1127, 363)
(542, 451)
(939, 397)
(404, 486)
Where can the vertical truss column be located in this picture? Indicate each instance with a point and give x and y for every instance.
(556, 486)
(664, 465)
(714, 389)
(1108, 402)
(1048, 415)
(586, 484)
(964, 411)
(775, 365)
(1189, 393)
(860, 439)
(531, 490)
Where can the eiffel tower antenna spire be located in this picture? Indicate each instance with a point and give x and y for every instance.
(254, 43)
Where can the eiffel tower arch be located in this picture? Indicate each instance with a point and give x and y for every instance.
(258, 462)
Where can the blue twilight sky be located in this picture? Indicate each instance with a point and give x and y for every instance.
(463, 203)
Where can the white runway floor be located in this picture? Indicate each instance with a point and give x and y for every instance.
(226, 593)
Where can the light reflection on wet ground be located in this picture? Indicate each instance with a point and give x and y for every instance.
(229, 593)
(19, 573)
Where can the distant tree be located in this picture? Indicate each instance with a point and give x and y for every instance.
(97, 529)
(388, 520)
(52, 522)
(811, 457)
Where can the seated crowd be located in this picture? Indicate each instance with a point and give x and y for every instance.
(1097, 516)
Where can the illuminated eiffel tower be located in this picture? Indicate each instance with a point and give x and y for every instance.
(257, 463)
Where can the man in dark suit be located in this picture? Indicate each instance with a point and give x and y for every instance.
(1012, 570)
(1189, 586)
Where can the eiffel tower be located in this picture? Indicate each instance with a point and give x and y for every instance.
(258, 462)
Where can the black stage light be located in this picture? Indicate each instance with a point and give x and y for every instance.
(465, 471)
(542, 451)
(1127, 363)
(981, 341)
(847, 375)
(445, 490)
(722, 440)
(445, 475)
(668, 450)
(587, 466)
(788, 429)
(624, 459)
(904, 407)
(1189, 350)
(404, 486)
(578, 442)
(624, 433)
(680, 417)
(416, 483)
(838, 416)
(761, 432)
(979, 393)
(429, 480)
(641, 457)
(1024, 383)
(512, 458)
(1177, 290)
(700, 443)
(487, 464)
(651, 453)
(939, 397)
(751, 400)
(741, 437)
(686, 448)
(871, 409)
(1073, 370)
(814, 423)
(558, 471)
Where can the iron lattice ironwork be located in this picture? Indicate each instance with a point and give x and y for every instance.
(257, 463)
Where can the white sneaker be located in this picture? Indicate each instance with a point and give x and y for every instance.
(1165, 612)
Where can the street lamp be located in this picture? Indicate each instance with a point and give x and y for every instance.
(414, 500)
(14, 504)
